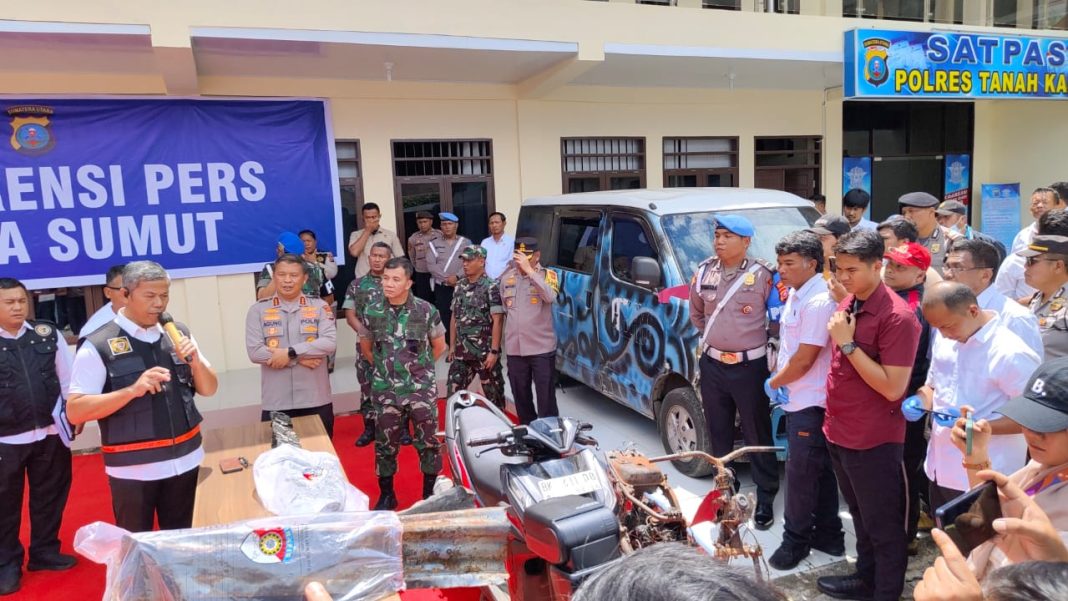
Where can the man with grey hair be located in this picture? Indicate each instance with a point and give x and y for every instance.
(140, 385)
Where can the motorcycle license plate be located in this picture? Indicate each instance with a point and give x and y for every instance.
(571, 484)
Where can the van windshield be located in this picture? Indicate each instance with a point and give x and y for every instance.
(691, 234)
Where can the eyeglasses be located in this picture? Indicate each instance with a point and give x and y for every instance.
(951, 269)
(115, 288)
(1032, 260)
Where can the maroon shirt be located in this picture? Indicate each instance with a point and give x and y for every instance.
(858, 417)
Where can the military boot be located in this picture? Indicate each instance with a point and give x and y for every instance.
(368, 435)
(387, 500)
(428, 485)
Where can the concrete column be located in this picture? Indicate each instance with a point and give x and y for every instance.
(977, 13)
(1024, 14)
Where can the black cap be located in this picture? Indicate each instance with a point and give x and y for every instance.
(1043, 406)
(951, 207)
(1045, 244)
(922, 200)
(835, 225)
(423, 215)
(526, 245)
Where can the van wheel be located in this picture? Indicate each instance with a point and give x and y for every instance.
(682, 428)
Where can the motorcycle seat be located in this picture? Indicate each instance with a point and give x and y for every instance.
(484, 471)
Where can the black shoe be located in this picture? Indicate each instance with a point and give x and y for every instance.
(387, 499)
(368, 435)
(406, 438)
(850, 586)
(833, 548)
(786, 557)
(764, 516)
(428, 485)
(10, 580)
(56, 563)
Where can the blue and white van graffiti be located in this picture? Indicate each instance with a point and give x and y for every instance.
(624, 260)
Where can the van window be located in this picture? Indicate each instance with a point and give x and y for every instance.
(692, 233)
(629, 240)
(578, 242)
(537, 222)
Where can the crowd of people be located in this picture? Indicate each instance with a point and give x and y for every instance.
(910, 368)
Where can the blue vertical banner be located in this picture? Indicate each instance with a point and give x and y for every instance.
(1000, 211)
(957, 178)
(201, 186)
(856, 173)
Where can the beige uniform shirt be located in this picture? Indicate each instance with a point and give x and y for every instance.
(363, 264)
(938, 246)
(443, 258)
(306, 325)
(742, 324)
(419, 248)
(528, 309)
(1052, 314)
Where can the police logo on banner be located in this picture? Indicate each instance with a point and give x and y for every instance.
(876, 51)
(31, 129)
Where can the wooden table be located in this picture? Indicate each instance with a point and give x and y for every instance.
(223, 498)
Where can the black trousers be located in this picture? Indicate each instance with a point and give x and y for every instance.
(727, 390)
(914, 454)
(421, 286)
(541, 371)
(811, 488)
(443, 301)
(873, 484)
(170, 501)
(46, 465)
(325, 413)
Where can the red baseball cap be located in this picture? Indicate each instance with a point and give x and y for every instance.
(910, 253)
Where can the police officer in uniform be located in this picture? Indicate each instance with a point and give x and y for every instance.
(402, 336)
(133, 378)
(290, 336)
(445, 265)
(920, 208)
(1047, 272)
(290, 243)
(528, 292)
(477, 318)
(30, 444)
(362, 292)
(733, 299)
(418, 249)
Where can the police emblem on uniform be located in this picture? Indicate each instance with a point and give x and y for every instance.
(936, 247)
(31, 129)
(750, 279)
(120, 345)
(1056, 305)
(747, 309)
(272, 343)
(43, 329)
(876, 53)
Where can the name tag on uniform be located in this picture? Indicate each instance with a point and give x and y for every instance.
(708, 287)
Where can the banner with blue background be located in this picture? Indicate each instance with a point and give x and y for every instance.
(881, 63)
(202, 187)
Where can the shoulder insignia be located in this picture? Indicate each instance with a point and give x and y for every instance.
(120, 345)
(707, 261)
(43, 330)
(552, 280)
(766, 264)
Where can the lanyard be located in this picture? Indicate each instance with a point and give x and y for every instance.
(1048, 481)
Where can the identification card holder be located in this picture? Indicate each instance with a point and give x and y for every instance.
(233, 464)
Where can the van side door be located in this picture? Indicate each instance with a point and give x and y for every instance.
(577, 254)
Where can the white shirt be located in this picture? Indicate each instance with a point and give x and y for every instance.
(985, 372)
(865, 224)
(1024, 237)
(1014, 316)
(498, 253)
(89, 378)
(1010, 280)
(804, 321)
(104, 315)
(64, 359)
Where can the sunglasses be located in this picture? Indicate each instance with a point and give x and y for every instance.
(1032, 260)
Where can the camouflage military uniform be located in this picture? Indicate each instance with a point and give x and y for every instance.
(362, 292)
(473, 306)
(403, 380)
(311, 287)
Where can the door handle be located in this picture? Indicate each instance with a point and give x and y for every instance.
(589, 298)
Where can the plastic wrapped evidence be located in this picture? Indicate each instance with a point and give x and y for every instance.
(356, 556)
(293, 481)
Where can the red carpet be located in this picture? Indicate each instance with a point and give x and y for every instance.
(90, 501)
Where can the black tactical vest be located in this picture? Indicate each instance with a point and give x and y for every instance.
(29, 385)
(165, 416)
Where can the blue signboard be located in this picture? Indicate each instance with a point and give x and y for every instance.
(1001, 211)
(882, 63)
(957, 178)
(856, 174)
(203, 187)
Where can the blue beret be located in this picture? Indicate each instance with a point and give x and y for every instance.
(291, 243)
(448, 217)
(735, 224)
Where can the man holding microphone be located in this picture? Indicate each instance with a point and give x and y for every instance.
(138, 378)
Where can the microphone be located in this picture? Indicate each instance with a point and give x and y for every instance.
(167, 322)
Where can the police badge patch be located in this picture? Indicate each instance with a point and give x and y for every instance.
(43, 330)
(31, 129)
(120, 345)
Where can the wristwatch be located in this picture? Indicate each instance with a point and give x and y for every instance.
(848, 348)
(495, 351)
(292, 353)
